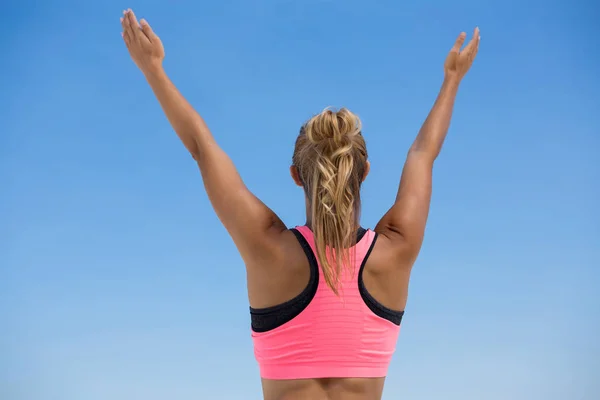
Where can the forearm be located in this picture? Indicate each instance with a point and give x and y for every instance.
(433, 132)
(187, 123)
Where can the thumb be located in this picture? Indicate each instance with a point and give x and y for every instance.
(148, 30)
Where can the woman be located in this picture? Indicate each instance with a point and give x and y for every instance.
(327, 298)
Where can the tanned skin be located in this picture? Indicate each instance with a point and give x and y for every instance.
(277, 269)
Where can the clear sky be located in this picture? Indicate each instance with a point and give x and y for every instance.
(117, 280)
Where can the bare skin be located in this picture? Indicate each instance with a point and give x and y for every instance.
(277, 268)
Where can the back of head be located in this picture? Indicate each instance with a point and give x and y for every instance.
(331, 158)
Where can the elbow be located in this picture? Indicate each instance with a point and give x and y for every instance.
(193, 146)
(423, 152)
(195, 154)
(427, 146)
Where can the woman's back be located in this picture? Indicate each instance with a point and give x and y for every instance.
(310, 342)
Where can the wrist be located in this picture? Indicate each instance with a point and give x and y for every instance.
(153, 71)
(451, 81)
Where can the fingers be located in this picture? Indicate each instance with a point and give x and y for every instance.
(131, 23)
(473, 45)
(126, 34)
(148, 30)
(132, 32)
(459, 42)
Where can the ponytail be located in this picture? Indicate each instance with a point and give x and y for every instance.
(331, 158)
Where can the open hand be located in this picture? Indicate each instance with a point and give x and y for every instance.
(459, 61)
(144, 46)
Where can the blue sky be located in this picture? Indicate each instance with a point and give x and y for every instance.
(117, 280)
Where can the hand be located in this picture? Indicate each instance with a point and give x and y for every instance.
(459, 61)
(145, 48)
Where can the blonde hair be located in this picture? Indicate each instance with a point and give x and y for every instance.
(331, 158)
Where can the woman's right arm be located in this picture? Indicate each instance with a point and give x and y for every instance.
(404, 224)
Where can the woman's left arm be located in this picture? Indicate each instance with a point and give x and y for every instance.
(248, 220)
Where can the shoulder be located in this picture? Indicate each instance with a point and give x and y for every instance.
(277, 246)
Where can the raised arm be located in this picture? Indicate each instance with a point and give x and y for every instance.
(249, 222)
(404, 223)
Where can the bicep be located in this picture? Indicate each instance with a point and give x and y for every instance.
(248, 220)
(406, 219)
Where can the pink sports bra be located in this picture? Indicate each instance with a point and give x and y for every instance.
(320, 335)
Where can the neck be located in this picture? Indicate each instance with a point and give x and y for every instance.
(308, 222)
